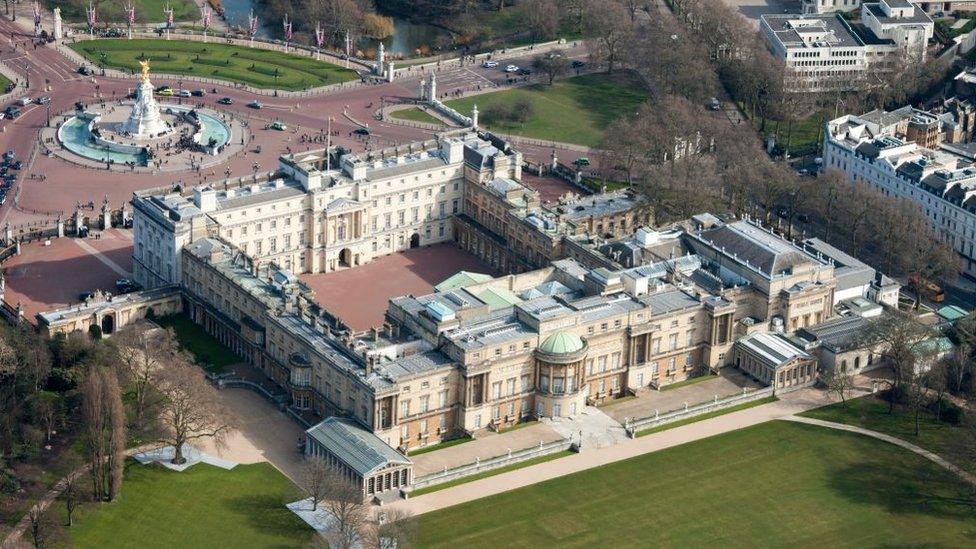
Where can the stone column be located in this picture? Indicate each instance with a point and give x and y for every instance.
(432, 87)
(390, 72)
(474, 118)
(60, 227)
(380, 59)
(58, 32)
(8, 233)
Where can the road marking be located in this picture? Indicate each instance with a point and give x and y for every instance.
(102, 257)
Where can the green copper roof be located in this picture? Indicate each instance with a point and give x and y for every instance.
(498, 298)
(561, 343)
(462, 279)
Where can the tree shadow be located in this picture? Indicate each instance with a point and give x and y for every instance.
(267, 513)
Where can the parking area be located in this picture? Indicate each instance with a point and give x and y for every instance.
(550, 188)
(485, 446)
(46, 277)
(730, 382)
(753, 9)
(359, 296)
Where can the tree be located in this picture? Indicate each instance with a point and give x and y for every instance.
(608, 24)
(105, 433)
(393, 528)
(315, 476)
(905, 344)
(344, 501)
(190, 408)
(144, 349)
(839, 383)
(43, 528)
(553, 65)
(539, 17)
(70, 495)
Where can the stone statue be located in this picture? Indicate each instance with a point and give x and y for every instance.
(144, 63)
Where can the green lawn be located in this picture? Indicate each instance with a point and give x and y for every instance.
(203, 506)
(689, 381)
(4, 82)
(777, 484)
(251, 66)
(440, 445)
(872, 413)
(493, 472)
(574, 110)
(147, 11)
(209, 352)
(416, 114)
(709, 415)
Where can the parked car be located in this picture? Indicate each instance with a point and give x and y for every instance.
(43, 100)
(199, 93)
(85, 70)
(24, 101)
(12, 112)
(577, 63)
(488, 64)
(225, 101)
(361, 131)
(278, 125)
(511, 68)
(9, 155)
(255, 104)
(184, 93)
(85, 296)
(525, 72)
(582, 161)
(125, 286)
(715, 104)
(168, 92)
(17, 165)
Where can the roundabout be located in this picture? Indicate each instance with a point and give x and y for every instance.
(145, 135)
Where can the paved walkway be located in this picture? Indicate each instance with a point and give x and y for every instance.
(934, 458)
(484, 447)
(597, 429)
(792, 403)
(730, 382)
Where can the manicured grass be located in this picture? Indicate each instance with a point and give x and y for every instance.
(209, 352)
(493, 472)
(440, 445)
(147, 11)
(574, 110)
(4, 82)
(251, 66)
(416, 114)
(615, 401)
(204, 506)
(689, 381)
(872, 413)
(709, 415)
(777, 484)
(518, 426)
(806, 134)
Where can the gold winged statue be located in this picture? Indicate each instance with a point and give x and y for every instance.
(144, 63)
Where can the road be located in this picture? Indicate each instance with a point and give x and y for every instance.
(49, 73)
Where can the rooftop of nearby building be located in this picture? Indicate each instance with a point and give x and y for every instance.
(355, 446)
(878, 11)
(773, 349)
(811, 30)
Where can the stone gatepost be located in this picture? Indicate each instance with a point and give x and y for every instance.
(380, 59)
(8, 234)
(106, 216)
(60, 227)
(390, 72)
(18, 246)
(474, 118)
(58, 31)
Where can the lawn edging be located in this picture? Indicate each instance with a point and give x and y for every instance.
(707, 415)
(491, 473)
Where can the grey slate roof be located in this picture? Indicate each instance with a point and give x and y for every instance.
(838, 334)
(355, 446)
(767, 252)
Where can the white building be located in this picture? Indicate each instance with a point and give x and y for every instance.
(319, 212)
(878, 148)
(824, 52)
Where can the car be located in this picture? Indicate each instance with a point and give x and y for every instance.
(25, 101)
(132, 95)
(198, 93)
(488, 64)
(17, 165)
(582, 161)
(361, 131)
(225, 101)
(715, 104)
(12, 112)
(525, 72)
(163, 87)
(278, 125)
(511, 68)
(184, 93)
(43, 100)
(85, 70)
(3, 115)
(122, 282)
(255, 104)
(10, 87)
(167, 92)
(84, 296)
(554, 55)
(9, 155)
(577, 63)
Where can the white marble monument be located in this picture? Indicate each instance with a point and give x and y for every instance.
(144, 121)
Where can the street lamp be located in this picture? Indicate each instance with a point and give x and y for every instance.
(27, 74)
(179, 91)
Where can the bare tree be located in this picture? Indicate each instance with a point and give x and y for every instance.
(143, 350)
(553, 65)
(905, 344)
(393, 528)
(608, 24)
(190, 408)
(43, 528)
(70, 495)
(105, 433)
(315, 476)
(840, 384)
(344, 501)
(539, 17)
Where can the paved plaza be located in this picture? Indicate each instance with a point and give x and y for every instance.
(754, 9)
(486, 446)
(359, 296)
(730, 382)
(75, 266)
